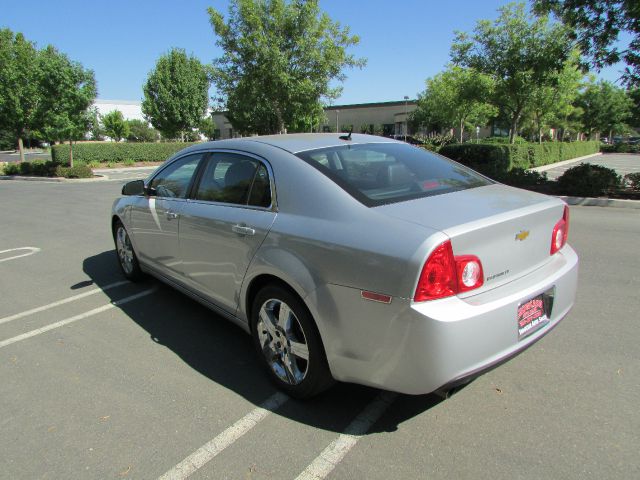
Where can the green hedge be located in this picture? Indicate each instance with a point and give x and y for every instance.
(621, 148)
(117, 152)
(39, 168)
(494, 159)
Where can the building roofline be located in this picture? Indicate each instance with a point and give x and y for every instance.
(395, 103)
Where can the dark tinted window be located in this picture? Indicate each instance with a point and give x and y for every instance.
(232, 178)
(174, 181)
(377, 174)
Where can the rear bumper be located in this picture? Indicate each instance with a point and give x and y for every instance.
(418, 348)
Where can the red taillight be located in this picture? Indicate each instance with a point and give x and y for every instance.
(444, 275)
(560, 232)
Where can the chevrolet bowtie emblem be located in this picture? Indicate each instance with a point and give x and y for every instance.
(522, 235)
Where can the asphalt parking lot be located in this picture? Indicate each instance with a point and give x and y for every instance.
(101, 378)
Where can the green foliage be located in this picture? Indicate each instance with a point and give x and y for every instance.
(520, 52)
(95, 128)
(12, 169)
(587, 180)
(596, 25)
(620, 148)
(434, 141)
(77, 171)
(208, 128)
(20, 93)
(176, 94)
(7, 140)
(605, 108)
(495, 160)
(68, 92)
(40, 168)
(280, 59)
(140, 131)
(117, 152)
(632, 181)
(115, 126)
(552, 103)
(634, 95)
(492, 160)
(521, 178)
(456, 98)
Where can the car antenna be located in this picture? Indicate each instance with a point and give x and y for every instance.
(347, 137)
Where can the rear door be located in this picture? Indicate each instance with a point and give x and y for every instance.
(224, 223)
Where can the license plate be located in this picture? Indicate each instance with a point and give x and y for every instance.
(532, 315)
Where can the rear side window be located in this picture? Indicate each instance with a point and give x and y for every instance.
(235, 179)
(381, 173)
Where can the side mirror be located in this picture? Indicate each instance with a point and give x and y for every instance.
(135, 187)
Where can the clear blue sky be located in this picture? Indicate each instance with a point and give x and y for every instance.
(404, 41)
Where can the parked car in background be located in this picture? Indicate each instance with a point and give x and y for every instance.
(353, 258)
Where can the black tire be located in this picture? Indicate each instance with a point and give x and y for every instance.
(127, 258)
(288, 343)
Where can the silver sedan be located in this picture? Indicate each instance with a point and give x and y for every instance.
(353, 258)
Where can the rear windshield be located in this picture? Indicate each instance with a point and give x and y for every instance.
(381, 173)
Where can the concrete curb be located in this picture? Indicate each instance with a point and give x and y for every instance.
(101, 178)
(602, 202)
(544, 168)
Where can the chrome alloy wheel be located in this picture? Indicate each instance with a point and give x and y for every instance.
(283, 341)
(125, 250)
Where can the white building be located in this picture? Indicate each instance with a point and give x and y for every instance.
(131, 109)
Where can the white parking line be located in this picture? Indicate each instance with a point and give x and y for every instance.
(82, 316)
(324, 464)
(61, 302)
(212, 448)
(30, 251)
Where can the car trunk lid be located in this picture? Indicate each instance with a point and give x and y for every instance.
(508, 229)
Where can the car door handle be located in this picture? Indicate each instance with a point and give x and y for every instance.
(171, 215)
(243, 230)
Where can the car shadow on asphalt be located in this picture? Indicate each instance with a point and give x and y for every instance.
(224, 353)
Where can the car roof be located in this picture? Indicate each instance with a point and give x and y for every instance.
(297, 142)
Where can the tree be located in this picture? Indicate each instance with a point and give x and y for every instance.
(634, 95)
(115, 126)
(68, 90)
(20, 95)
(606, 108)
(595, 26)
(208, 128)
(456, 98)
(280, 59)
(176, 94)
(95, 127)
(552, 103)
(140, 131)
(519, 51)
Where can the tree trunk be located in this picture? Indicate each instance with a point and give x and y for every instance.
(70, 153)
(514, 128)
(21, 149)
(461, 129)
